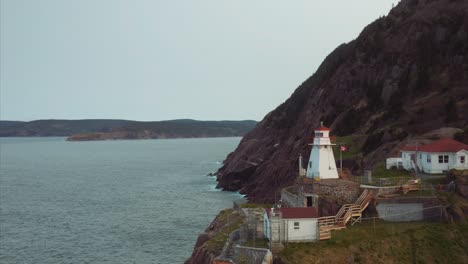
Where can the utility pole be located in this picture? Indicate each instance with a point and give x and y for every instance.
(255, 234)
(416, 169)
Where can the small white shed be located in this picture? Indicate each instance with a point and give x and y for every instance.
(290, 224)
(394, 163)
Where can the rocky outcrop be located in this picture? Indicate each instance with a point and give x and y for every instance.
(210, 243)
(200, 254)
(405, 74)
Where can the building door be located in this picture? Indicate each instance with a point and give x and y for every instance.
(309, 201)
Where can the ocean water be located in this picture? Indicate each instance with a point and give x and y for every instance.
(140, 201)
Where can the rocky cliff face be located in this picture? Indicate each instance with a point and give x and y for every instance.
(211, 242)
(405, 74)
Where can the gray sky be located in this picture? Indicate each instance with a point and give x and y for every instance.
(159, 60)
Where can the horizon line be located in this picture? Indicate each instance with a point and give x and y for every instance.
(128, 120)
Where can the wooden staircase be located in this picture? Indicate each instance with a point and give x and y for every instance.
(348, 213)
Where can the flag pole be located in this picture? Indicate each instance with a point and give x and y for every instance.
(341, 162)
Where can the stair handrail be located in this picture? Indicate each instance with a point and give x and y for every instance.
(346, 212)
(362, 196)
(342, 211)
(366, 200)
(346, 218)
(326, 221)
(353, 210)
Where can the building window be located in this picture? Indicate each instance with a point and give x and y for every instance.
(296, 225)
(310, 164)
(420, 156)
(462, 159)
(318, 134)
(428, 158)
(443, 158)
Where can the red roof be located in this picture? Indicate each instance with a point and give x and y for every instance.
(409, 148)
(322, 128)
(295, 213)
(441, 145)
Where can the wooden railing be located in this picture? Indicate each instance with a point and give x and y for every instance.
(362, 197)
(353, 211)
(326, 221)
(346, 213)
(342, 211)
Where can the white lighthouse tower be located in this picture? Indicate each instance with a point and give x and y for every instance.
(322, 162)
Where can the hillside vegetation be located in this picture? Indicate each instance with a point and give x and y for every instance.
(386, 243)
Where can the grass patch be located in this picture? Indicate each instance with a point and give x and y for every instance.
(420, 193)
(230, 221)
(386, 243)
(435, 180)
(354, 144)
(381, 172)
(253, 205)
(258, 243)
(456, 203)
(383, 177)
(391, 181)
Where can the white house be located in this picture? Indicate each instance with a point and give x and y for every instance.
(437, 157)
(322, 162)
(290, 224)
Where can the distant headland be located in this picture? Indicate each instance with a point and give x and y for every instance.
(112, 129)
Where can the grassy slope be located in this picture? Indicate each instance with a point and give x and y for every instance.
(229, 220)
(386, 243)
(393, 176)
(353, 142)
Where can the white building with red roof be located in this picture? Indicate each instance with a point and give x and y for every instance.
(290, 224)
(322, 162)
(437, 157)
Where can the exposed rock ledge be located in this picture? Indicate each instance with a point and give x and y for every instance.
(210, 243)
